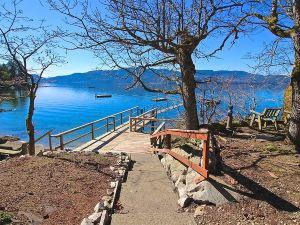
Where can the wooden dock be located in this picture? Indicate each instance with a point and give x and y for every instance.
(110, 126)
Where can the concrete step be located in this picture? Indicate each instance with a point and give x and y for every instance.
(153, 219)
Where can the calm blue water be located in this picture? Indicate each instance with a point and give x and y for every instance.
(62, 108)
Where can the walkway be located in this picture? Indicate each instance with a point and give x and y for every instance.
(147, 196)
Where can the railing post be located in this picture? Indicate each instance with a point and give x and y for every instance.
(114, 121)
(61, 140)
(50, 141)
(107, 128)
(93, 133)
(137, 111)
(130, 124)
(121, 119)
(205, 153)
(168, 141)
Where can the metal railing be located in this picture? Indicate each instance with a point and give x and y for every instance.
(159, 138)
(110, 124)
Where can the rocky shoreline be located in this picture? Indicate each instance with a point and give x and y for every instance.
(13, 84)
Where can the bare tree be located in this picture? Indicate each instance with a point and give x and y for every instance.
(282, 18)
(30, 44)
(144, 35)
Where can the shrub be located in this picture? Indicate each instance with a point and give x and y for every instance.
(5, 218)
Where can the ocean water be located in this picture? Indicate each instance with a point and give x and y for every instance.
(64, 107)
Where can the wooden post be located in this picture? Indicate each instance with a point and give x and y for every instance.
(114, 121)
(107, 124)
(93, 133)
(50, 141)
(205, 153)
(143, 124)
(61, 138)
(130, 124)
(168, 141)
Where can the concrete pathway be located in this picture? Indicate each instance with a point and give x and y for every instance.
(148, 197)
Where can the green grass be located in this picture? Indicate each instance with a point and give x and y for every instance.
(5, 218)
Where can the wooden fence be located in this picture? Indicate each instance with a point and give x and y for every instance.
(163, 137)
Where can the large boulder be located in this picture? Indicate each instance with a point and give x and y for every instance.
(174, 168)
(216, 192)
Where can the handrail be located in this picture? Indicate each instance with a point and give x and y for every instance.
(44, 135)
(108, 120)
(142, 119)
(196, 134)
(202, 134)
(159, 128)
(93, 122)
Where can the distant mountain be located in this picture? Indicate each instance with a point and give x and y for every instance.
(120, 78)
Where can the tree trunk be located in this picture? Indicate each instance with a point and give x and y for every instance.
(294, 128)
(188, 90)
(29, 122)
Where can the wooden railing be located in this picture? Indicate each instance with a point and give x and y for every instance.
(165, 137)
(139, 122)
(110, 123)
(47, 134)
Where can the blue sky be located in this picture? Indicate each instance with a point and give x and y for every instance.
(83, 61)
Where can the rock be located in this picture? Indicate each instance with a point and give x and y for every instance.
(191, 186)
(48, 211)
(95, 217)
(86, 221)
(199, 211)
(4, 139)
(99, 207)
(163, 162)
(113, 184)
(181, 188)
(215, 192)
(112, 168)
(33, 219)
(180, 180)
(39, 149)
(107, 198)
(6, 110)
(268, 137)
(47, 153)
(107, 204)
(184, 201)
(109, 192)
(175, 168)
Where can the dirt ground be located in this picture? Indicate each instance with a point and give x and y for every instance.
(266, 172)
(59, 190)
